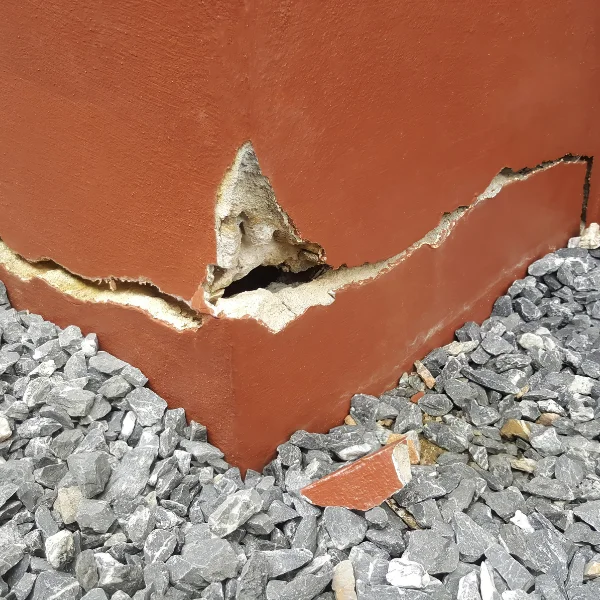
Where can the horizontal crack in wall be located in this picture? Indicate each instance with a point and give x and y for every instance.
(133, 295)
(277, 305)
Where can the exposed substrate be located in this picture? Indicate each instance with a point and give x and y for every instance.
(106, 494)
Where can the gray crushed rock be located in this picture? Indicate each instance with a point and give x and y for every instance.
(105, 493)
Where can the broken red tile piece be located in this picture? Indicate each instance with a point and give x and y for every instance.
(366, 482)
(411, 439)
(414, 399)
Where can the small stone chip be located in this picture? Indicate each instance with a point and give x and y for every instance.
(67, 503)
(404, 573)
(424, 374)
(549, 488)
(505, 503)
(516, 428)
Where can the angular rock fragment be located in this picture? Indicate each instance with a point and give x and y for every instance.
(148, 406)
(516, 576)
(344, 583)
(115, 576)
(95, 515)
(51, 585)
(404, 573)
(91, 470)
(60, 549)
(434, 552)
(471, 539)
(490, 380)
(345, 528)
(280, 562)
(234, 511)
(435, 405)
(214, 559)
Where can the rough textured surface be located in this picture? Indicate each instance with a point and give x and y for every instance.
(130, 501)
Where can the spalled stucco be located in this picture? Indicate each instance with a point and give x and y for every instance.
(370, 120)
(252, 230)
(278, 304)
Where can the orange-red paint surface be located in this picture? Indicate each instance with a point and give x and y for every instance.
(119, 119)
(253, 388)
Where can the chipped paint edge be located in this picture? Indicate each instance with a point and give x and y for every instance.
(137, 296)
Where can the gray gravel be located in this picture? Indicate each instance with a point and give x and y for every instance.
(106, 493)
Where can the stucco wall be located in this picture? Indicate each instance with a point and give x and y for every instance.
(120, 121)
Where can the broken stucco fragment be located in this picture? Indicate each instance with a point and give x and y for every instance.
(252, 230)
(365, 483)
(277, 305)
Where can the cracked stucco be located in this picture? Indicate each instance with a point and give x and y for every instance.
(137, 296)
(278, 305)
(246, 199)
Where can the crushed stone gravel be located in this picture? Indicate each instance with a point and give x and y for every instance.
(105, 492)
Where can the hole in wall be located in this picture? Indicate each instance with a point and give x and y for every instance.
(264, 276)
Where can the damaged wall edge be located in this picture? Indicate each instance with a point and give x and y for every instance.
(252, 230)
(277, 305)
(135, 295)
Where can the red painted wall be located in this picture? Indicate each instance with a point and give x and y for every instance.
(119, 119)
(253, 388)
